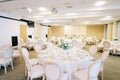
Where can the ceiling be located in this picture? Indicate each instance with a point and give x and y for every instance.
(62, 12)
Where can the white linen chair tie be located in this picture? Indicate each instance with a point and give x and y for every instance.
(17, 52)
(6, 58)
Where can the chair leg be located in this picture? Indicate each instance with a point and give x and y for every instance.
(114, 51)
(102, 75)
(12, 64)
(27, 77)
(20, 57)
(25, 71)
(43, 77)
(5, 69)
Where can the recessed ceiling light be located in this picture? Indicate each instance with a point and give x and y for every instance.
(71, 14)
(37, 16)
(108, 17)
(86, 22)
(100, 3)
(42, 9)
(46, 21)
(46, 13)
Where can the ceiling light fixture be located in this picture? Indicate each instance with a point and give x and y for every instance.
(86, 22)
(29, 9)
(37, 16)
(107, 18)
(46, 21)
(42, 9)
(100, 3)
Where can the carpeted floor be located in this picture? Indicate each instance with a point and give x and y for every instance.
(111, 68)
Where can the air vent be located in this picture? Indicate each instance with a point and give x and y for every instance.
(5, 1)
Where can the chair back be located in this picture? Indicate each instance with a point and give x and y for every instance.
(79, 45)
(7, 54)
(93, 49)
(94, 70)
(37, 48)
(52, 71)
(74, 43)
(28, 65)
(25, 53)
(40, 42)
(106, 44)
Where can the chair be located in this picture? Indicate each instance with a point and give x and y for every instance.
(118, 50)
(40, 42)
(93, 49)
(114, 47)
(37, 48)
(54, 72)
(34, 71)
(89, 74)
(106, 45)
(77, 44)
(6, 58)
(104, 56)
(74, 42)
(17, 52)
(29, 44)
(25, 54)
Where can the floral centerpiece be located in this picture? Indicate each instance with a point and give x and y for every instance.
(64, 45)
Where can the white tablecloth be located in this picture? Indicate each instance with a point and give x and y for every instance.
(69, 60)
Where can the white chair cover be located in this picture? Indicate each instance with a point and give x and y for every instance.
(94, 70)
(37, 48)
(93, 49)
(52, 72)
(104, 56)
(106, 45)
(34, 71)
(89, 74)
(6, 58)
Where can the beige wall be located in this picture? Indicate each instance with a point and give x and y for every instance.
(57, 31)
(68, 30)
(75, 30)
(23, 32)
(95, 30)
(111, 31)
(49, 34)
(37, 31)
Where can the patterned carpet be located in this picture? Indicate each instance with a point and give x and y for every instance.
(111, 68)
